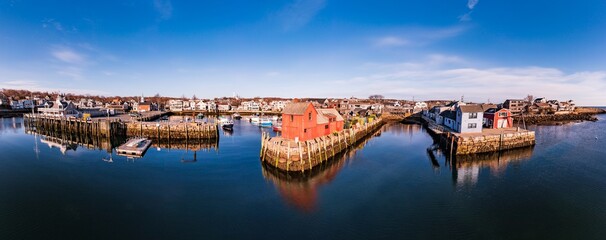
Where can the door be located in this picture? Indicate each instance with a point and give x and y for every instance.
(502, 123)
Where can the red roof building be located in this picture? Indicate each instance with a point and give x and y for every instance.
(498, 118)
(302, 121)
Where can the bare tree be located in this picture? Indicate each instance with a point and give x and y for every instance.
(376, 97)
(529, 98)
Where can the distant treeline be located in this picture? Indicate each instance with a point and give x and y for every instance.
(18, 94)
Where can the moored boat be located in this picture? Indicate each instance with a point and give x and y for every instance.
(236, 116)
(255, 119)
(265, 122)
(229, 125)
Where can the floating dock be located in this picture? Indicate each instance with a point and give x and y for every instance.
(134, 147)
(292, 156)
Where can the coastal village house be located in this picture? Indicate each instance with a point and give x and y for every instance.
(59, 107)
(516, 106)
(498, 118)
(469, 118)
(301, 121)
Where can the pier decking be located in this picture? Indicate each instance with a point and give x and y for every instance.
(134, 147)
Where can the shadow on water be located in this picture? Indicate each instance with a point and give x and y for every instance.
(300, 189)
(466, 168)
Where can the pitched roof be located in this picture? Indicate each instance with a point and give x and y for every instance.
(328, 113)
(449, 114)
(471, 108)
(295, 108)
(488, 106)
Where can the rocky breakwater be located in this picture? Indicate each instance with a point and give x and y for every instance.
(555, 119)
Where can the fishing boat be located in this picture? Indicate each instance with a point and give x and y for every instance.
(228, 125)
(200, 116)
(255, 119)
(236, 116)
(134, 147)
(265, 122)
(275, 118)
(277, 128)
(222, 120)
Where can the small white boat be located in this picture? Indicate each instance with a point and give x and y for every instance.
(266, 122)
(255, 119)
(275, 118)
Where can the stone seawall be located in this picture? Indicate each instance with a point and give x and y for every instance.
(492, 143)
(288, 155)
(156, 130)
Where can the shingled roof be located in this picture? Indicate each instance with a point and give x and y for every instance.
(471, 108)
(325, 114)
(296, 108)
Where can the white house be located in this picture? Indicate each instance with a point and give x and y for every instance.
(277, 105)
(175, 105)
(419, 106)
(201, 105)
(469, 118)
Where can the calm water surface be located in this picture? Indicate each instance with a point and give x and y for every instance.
(389, 187)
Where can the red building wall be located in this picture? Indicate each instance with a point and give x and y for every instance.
(494, 117)
(306, 126)
(300, 125)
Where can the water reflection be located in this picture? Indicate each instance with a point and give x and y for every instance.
(10, 125)
(65, 142)
(300, 189)
(466, 168)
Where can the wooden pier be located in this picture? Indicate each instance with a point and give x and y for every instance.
(489, 140)
(290, 155)
(116, 127)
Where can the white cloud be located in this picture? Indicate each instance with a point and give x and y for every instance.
(164, 8)
(52, 23)
(436, 79)
(390, 41)
(472, 3)
(20, 84)
(465, 17)
(68, 56)
(38, 86)
(299, 13)
(415, 36)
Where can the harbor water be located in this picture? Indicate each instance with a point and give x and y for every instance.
(392, 186)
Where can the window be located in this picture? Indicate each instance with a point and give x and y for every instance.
(503, 114)
(305, 130)
(292, 118)
(309, 116)
(325, 126)
(472, 125)
(473, 115)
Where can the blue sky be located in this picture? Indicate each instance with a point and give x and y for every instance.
(308, 48)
